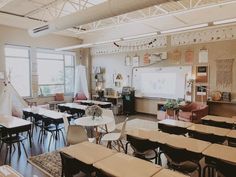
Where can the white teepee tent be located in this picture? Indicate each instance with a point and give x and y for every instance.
(11, 103)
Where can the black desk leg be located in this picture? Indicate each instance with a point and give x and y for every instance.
(30, 138)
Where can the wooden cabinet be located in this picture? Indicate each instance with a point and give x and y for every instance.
(222, 108)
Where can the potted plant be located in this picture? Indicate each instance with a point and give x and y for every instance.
(171, 106)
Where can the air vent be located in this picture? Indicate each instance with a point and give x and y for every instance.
(42, 28)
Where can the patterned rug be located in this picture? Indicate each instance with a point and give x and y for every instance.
(49, 163)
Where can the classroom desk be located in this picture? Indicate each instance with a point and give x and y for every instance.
(7, 171)
(122, 165)
(139, 124)
(169, 173)
(221, 152)
(174, 126)
(231, 137)
(14, 125)
(219, 121)
(211, 130)
(88, 153)
(190, 144)
(56, 117)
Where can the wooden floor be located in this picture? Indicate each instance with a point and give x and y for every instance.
(26, 169)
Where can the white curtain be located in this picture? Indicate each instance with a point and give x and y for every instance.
(81, 84)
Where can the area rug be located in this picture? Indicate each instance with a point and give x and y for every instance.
(49, 163)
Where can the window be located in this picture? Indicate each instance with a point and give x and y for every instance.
(18, 66)
(56, 72)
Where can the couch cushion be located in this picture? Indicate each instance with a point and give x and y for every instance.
(80, 96)
(59, 97)
(185, 115)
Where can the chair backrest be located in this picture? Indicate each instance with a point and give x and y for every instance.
(140, 145)
(122, 133)
(69, 165)
(109, 113)
(207, 137)
(227, 169)
(66, 123)
(176, 155)
(76, 134)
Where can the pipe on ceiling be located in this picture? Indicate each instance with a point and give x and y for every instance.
(101, 11)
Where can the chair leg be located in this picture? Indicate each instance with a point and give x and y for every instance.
(52, 134)
(199, 170)
(122, 145)
(6, 155)
(24, 149)
(118, 144)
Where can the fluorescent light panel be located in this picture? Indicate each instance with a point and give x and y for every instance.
(184, 28)
(232, 20)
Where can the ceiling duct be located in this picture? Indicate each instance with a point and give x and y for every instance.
(101, 11)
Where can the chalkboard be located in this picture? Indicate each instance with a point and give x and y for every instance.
(161, 82)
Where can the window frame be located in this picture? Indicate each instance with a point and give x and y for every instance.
(63, 53)
(29, 62)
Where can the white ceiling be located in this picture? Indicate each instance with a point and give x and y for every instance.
(30, 13)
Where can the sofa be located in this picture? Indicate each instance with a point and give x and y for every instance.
(193, 112)
(79, 97)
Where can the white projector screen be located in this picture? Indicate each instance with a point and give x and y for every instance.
(165, 82)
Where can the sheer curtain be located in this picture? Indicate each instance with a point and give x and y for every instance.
(81, 84)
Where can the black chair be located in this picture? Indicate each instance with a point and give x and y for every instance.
(219, 167)
(227, 169)
(70, 166)
(232, 142)
(142, 148)
(13, 137)
(182, 160)
(37, 121)
(207, 137)
(218, 124)
(172, 130)
(61, 108)
(52, 126)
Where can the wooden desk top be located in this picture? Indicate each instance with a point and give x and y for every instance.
(7, 171)
(209, 129)
(87, 152)
(221, 152)
(169, 173)
(140, 133)
(175, 123)
(232, 134)
(122, 165)
(190, 144)
(139, 124)
(220, 119)
(12, 122)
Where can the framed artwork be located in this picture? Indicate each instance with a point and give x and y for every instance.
(203, 56)
(146, 58)
(128, 61)
(135, 61)
(189, 56)
(201, 93)
(176, 56)
(201, 74)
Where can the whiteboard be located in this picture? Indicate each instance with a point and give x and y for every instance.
(161, 82)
